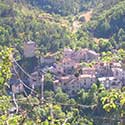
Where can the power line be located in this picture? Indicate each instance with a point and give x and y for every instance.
(62, 104)
(79, 105)
(85, 106)
(107, 118)
(15, 102)
(22, 69)
(42, 79)
(66, 120)
(22, 81)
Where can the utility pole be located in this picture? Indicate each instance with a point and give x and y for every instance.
(41, 78)
(16, 105)
(42, 87)
(40, 75)
(41, 82)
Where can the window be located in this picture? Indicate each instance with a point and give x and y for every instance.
(34, 80)
(117, 73)
(85, 82)
(73, 92)
(64, 84)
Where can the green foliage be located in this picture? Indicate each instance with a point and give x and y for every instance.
(109, 101)
(88, 98)
(84, 40)
(19, 23)
(114, 101)
(4, 119)
(121, 54)
(48, 85)
(61, 96)
(68, 7)
(107, 56)
(4, 103)
(29, 23)
(63, 7)
(109, 23)
(5, 74)
(5, 64)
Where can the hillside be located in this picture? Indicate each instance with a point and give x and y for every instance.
(20, 22)
(109, 24)
(62, 62)
(69, 7)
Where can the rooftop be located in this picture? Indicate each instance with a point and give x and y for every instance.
(30, 42)
(87, 76)
(88, 69)
(106, 78)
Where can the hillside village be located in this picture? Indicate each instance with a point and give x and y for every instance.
(62, 62)
(70, 71)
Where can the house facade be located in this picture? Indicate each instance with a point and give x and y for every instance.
(71, 84)
(110, 82)
(16, 84)
(81, 55)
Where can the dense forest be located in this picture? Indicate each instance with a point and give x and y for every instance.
(20, 23)
(110, 24)
(50, 24)
(66, 7)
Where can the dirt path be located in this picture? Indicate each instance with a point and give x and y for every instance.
(87, 15)
(77, 24)
(96, 40)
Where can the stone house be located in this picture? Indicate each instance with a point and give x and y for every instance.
(85, 55)
(91, 55)
(17, 88)
(119, 73)
(110, 82)
(70, 84)
(62, 81)
(67, 53)
(66, 66)
(103, 70)
(69, 65)
(86, 81)
(57, 69)
(81, 55)
(34, 80)
(48, 60)
(89, 70)
(16, 85)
